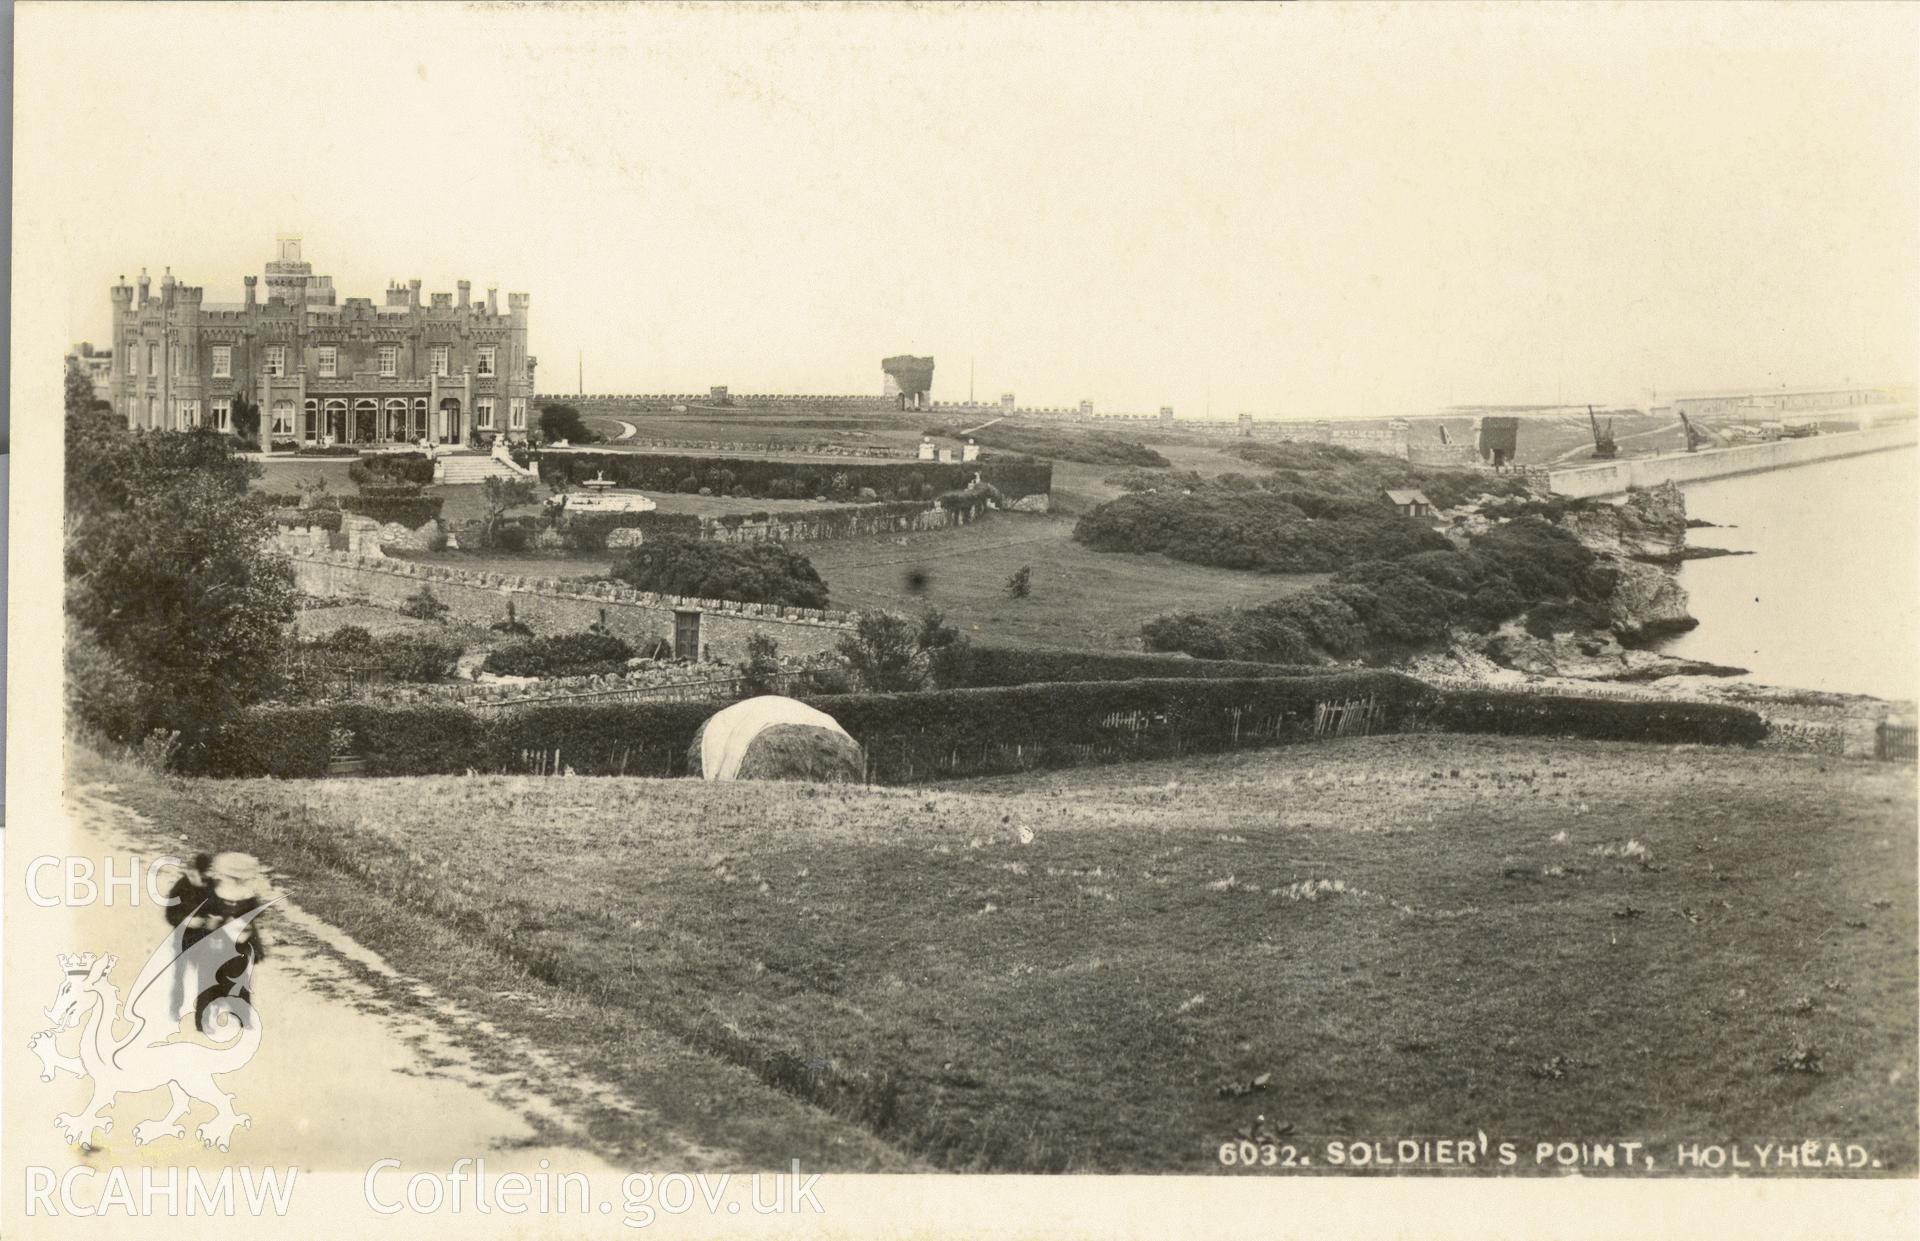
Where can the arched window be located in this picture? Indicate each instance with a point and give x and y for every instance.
(417, 428)
(313, 418)
(366, 418)
(283, 419)
(396, 428)
(334, 419)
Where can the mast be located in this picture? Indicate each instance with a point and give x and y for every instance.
(580, 359)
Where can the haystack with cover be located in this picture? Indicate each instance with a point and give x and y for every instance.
(775, 738)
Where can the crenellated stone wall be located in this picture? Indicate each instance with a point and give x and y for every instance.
(550, 605)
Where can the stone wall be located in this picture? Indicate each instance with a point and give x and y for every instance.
(549, 605)
(842, 523)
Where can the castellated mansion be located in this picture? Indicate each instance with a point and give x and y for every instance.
(448, 370)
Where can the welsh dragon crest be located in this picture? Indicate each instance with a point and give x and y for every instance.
(158, 1049)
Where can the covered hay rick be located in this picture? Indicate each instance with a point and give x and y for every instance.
(775, 738)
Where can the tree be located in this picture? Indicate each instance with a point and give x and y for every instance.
(1020, 585)
(884, 654)
(245, 416)
(758, 572)
(80, 398)
(563, 422)
(503, 494)
(761, 667)
(170, 583)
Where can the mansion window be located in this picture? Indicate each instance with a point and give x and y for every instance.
(483, 410)
(329, 360)
(440, 360)
(486, 361)
(389, 360)
(517, 414)
(222, 409)
(173, 358)
(223, 361)
(189, 415)
(276, 361)
(282, 417)
(132, 355)
(153, 358)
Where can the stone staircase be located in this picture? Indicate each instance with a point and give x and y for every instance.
(458, 468)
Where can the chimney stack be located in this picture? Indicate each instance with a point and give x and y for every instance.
(466, 293)
(252, 293)
(144, 285)
(493, 299)
(413, 293)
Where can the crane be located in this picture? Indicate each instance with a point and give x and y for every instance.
(1696, 436)
(1604, 448)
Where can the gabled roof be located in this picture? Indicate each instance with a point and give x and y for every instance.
(1409, 497)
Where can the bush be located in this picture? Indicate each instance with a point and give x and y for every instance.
(409, 511)
(305, 518)
(1092, 447)
(393, 467)
(562, 655)
(422, 605)
(512, 538)
(757, 572)
(761, 667)
(563, 422)
(338, 450)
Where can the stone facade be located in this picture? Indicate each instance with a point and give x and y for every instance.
(446, 370)
(550, 605)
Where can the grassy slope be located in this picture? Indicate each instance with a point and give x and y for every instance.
(1081, 598)
(900, 958)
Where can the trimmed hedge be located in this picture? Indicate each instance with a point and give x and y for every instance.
(986, 666)
(560, 655)
(393, 467)
(944, 733)
(410, 511)
(303, 518)
(777, 479)
(1595, 719)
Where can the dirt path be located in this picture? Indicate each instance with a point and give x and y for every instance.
(356, 1063)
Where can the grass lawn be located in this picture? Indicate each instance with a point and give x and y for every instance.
(1080, 598)
(1541, 940)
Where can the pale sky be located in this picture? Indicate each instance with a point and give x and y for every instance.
(1310, 210)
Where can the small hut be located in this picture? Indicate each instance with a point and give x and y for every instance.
(1411, 504)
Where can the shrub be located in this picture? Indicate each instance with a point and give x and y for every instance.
(562, 655)
(1020, 585)
(409, 511)
(512, 538)
(762, 665)
(422, 605)
(563, 422)
(305, 518)
(756, 572)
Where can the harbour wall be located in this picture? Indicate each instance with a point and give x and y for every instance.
(1615, 477)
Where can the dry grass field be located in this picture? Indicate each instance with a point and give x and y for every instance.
(1368, 939)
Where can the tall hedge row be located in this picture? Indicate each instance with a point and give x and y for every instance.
(1596, 719)
(942, 733)
(986, 666)
(753, 476)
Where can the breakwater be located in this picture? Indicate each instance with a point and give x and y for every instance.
(1614, 477)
